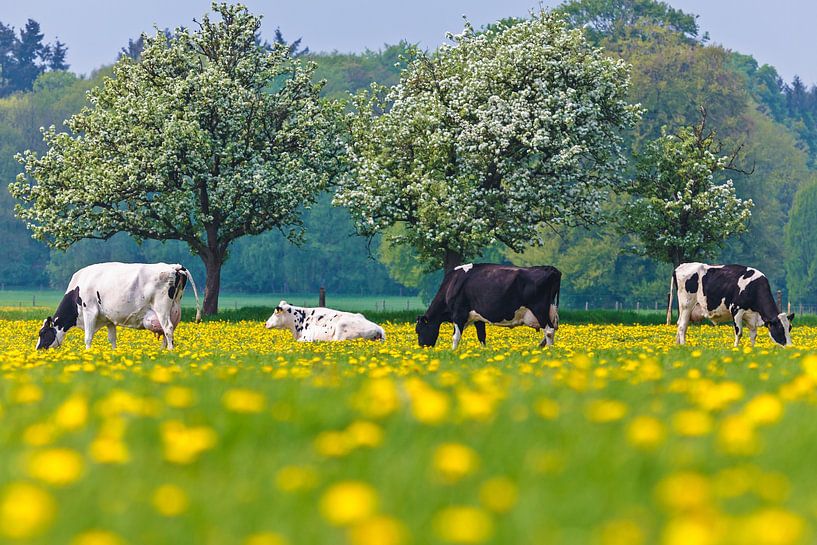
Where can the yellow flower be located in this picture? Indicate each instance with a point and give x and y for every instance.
(241, 400)
(692, 423)
(27, 393)
(58, 466)
(622, 532)
(296, 478)
(691, 530)
(377, 398)
(25, 511)
(645, 432)
(170, 500)
(463, 524)
(182, 444)
(605, 410)
(348, 502)
(771, 526)
(736, 435)
(109, 450)
(265, 538)
(498, 494)
(547, 408)
(378, 530)
(97, 537)
(179, 397)
(453, 461)
(73, 413)
(684, 491)
(764, 409)
(427, 404)
(364, 434)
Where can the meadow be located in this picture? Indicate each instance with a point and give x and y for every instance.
(241, 436)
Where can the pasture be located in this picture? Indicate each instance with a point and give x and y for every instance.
(244, 437)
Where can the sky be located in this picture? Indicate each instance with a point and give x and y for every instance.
(779, 33)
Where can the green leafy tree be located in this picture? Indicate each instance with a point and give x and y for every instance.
(615, 17)
(679, 212)
(801, 258)
(208, 138)
(488, 138)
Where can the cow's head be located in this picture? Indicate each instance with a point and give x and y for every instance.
(51, 335)
(780, 329)
(427, 331)
(281, 317)
(550, 332)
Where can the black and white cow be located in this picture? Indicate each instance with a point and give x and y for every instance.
(309, 324)
(724, 293)
(135, 295)
(502, 295)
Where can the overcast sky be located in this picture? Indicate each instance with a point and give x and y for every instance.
(779, 33)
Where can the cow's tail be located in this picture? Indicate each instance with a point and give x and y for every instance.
(195, 293)
(673, 282)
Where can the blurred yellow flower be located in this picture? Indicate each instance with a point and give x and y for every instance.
(241, 400)
(57, 466)
(605, 410)
(453, 461)
(645, 432)
(684, 491)
(97, 537)
(170, 500)
(296, 478)
(73, 413)
(265, 538)
(622, 532)
(25, 511)
(378, 530)
(463, 524)
(498, 494)
(692, 422)
(348, 502)
(179, 397)
(764, 409)
(547, 408)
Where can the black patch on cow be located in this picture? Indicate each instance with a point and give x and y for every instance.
(47, 337)
(691, 285)
(495, 292)
(178, 283)
(98, 298)
(67, 312)
(319, 318)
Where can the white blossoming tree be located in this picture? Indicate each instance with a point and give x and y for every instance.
(679, 211)
(207, 138)
(487, 139)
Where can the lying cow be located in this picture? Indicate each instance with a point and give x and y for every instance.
(502, 295)
(135, 295)
(723, 293)
(309, 324)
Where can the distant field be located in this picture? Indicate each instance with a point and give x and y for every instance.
(50, 298)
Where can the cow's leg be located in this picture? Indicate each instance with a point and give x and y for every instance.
(89, 320)
(168, 328)
(752, 333)
(686, 303)
(542, 314)
(460, 323)
(738, 317)
(112, 335)
(480, 327)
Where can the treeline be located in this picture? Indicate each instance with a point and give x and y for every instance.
(675, 71)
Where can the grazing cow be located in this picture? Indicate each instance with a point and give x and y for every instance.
(135, 295)
(309, 324)
(724, 293)
(502, 295)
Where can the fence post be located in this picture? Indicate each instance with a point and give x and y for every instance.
(33, 300)
(322, 297)
(638, 305)
(779, 300)
(586, 304)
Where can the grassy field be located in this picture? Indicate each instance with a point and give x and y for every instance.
(242, 436)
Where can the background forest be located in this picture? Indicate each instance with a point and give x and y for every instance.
(675, 72)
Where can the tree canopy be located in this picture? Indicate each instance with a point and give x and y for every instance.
(207, 138)
(487, 138)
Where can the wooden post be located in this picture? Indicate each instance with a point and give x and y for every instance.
(779, 300)
(322, 297)
(33, 300)
(586, 305)
(638, 305)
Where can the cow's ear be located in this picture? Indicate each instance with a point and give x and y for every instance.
(278, 310)
(47, 322)
(790, 317)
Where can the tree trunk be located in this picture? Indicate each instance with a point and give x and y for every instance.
(452, 259)
(212, 285)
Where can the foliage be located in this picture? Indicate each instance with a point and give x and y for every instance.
(350, 72)
(679, 212)
(801, 259)
(24, 56)
(616, 17)
(209, 137)
(488, 138)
